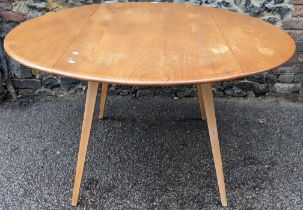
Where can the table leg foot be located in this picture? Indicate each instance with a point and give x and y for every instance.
(86, 127)
(214, 140)
(103, 99)
(201, 102)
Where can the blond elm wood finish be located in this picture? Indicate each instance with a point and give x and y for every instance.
(91, 95)
(149, 44)
(103, 99)
(201, 102)
(256, 45)
(214, 139)
(57, 30)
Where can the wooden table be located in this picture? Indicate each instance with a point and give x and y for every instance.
(149, 44)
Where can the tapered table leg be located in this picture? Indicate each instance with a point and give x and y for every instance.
(201, 102)
(86, 127)
(214, 140)
(103, 99)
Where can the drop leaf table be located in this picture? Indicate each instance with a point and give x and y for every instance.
(148, 44)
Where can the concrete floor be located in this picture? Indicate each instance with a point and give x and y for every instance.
(151, 153)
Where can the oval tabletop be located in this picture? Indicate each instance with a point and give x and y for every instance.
(149, 44)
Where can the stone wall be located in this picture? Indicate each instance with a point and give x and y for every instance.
(285, 80)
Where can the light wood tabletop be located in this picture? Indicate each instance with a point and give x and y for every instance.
(149, 44)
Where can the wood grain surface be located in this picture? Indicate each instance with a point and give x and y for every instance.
(149, 44)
